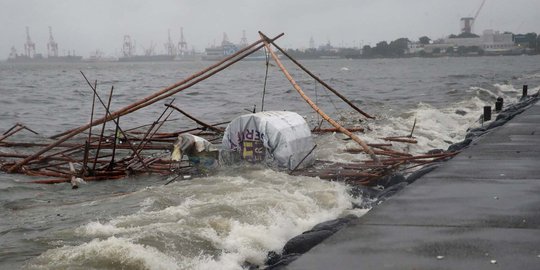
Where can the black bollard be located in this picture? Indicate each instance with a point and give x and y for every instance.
(499, 104)
(525, 88)
(487, 113)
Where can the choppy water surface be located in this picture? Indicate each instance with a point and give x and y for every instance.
(239, 215)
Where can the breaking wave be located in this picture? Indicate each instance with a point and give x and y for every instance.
(214, 223)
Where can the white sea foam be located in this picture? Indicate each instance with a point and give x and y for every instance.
(436, 128)
(112, 253)
(212, 223)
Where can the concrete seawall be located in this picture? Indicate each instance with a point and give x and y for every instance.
(480, 210)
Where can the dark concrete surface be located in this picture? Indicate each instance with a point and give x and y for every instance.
(480, 210)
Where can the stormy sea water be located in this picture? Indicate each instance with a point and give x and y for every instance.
(239, 214)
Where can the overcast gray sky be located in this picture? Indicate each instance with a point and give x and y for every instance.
(87, 25)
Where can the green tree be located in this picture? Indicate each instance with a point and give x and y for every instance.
(398, 47)
(531, 37)
(381, 48)
(424, 40)
(367, 51)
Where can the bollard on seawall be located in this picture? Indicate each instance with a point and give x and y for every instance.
(499, 104)
(487, 113)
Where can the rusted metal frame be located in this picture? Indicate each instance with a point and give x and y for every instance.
(19, 126)
(146, 101)
(175, 134)
(205, 125)
(11, 128)
(145, 142)
(321, 81)
(75, 148)
(14, 155)
(414, 158)
(326, 130)
(25, 127)
(87, 144)
(383, 151)
(448, 154)
(400, 139)
(134, 129)
(310, 102)
(108, 112)
(11, 132)
(152, 127)
(102, 127)
(111, 163)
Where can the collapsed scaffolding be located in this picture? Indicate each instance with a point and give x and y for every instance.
(72, 156)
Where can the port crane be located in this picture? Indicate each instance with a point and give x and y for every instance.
(169, 46)
(182, 44)
(467, 23)
(29, 46)
(52, 46)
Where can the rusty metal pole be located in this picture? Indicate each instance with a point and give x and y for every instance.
(317, 109)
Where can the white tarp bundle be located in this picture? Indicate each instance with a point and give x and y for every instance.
(276, 136)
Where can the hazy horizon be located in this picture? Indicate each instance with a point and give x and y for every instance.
(85, 26)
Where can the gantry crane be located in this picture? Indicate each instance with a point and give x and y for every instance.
(468, 22)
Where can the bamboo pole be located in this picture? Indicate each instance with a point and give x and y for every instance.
(11, 132)
(207, 126)
(152, 98)
(327, 130)
(111, 163)
(108, 112)
(322, 82)
(102, 126)
(147, 101)
(152, 127)
(310, 102)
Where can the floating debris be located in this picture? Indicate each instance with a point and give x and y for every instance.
(78, 155)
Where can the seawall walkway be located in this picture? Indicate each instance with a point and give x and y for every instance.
(480, 210)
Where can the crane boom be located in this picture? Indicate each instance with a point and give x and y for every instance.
(478, 12)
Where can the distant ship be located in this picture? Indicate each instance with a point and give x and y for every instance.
(128, 52)
(146, 58)
(228, 48)
(30, 55)
(38, 58)
(99, 56)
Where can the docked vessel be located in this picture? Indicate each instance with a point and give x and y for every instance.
(228, 48)
(128, 52)
(30, 55)
(216, 53)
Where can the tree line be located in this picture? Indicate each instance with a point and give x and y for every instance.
(400, 48)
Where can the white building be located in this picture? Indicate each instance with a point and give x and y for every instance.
(492, 42)
(414, 47)
(495, 42)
